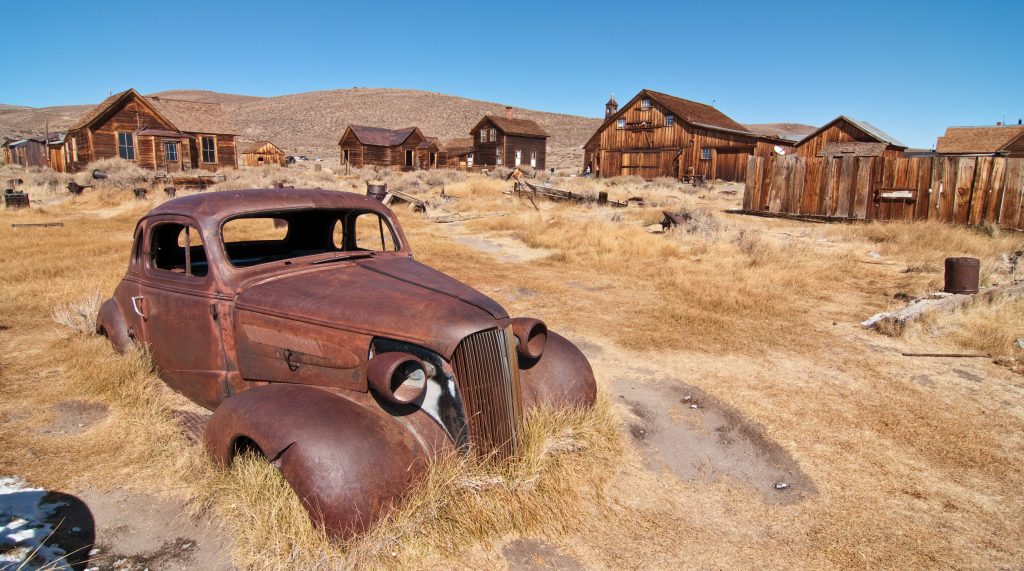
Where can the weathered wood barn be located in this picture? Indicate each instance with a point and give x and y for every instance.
(459, 153)
(153, 132)
(993, 140)
(656, 134)
(845, 136)
(260, 153)
(509, 141)
(405, 149)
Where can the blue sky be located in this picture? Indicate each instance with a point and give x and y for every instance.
(910, 68)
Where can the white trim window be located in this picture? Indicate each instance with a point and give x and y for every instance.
(483, 135)
(645, 104)
(533, 158)
(670, 120)
(497, 155)
(519, 157)
(494, 135)
(469, 160)
(620, 124)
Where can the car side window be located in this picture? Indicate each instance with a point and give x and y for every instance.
(178, 249)
(373, 233)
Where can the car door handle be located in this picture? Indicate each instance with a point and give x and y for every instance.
(137, 306)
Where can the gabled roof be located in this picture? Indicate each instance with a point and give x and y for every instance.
(459, 146)
(381, 137)
(253, 146)
(699, 114)
(429, 142)
(868, 129)
(982, 140)
(514, 126)
(195, 116)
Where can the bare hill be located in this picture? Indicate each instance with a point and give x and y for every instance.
(311, 123)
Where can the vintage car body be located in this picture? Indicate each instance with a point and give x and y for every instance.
(347, 367)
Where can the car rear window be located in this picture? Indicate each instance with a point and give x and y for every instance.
(278, 236)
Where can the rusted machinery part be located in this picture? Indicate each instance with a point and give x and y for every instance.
(347, 462)
(962, 275)
(398, 377)
(561, 377)
(532, 335)
(110, 323)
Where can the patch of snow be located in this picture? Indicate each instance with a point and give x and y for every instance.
(24, 530)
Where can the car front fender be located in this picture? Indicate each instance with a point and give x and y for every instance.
(560, 377)
(347, 462)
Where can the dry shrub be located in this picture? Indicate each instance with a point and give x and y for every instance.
(120, 173)
(751, 243)
(989, 328)
(700, 221)
(79, 315)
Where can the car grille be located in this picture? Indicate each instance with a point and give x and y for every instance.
(487, 373)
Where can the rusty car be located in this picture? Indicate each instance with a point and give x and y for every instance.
(302, 320)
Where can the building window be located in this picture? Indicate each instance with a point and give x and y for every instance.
(126, 146)
(469, 160)
(670, 120)
(533, 159)
(209, 149)
(645, 103)
(621, 124)
(705, 153)
(494, 135)
(172, 150)
(497, 155)
(519, 157)
(483, 135)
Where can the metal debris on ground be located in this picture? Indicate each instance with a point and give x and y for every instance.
(15, 199)
(76, 189)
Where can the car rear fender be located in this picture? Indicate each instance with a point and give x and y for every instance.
(347, 462)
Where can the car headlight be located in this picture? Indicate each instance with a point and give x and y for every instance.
(531, 336)
(398, 377)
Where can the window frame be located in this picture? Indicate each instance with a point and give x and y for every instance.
(147, 255)
(494, 135)
(533, 158)
(202, 149)
(499, 157)
(706, 153)
(483, 134)
(670, 120)
(620, 123)
(129, 146)
(170, 146)
(645, 104)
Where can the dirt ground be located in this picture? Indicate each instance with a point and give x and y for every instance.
(798, 440)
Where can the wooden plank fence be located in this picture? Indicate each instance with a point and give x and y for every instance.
(959, 190)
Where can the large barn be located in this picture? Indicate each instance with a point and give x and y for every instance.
(656, 135)
(509, 141)
(406, 149)
(154, 133)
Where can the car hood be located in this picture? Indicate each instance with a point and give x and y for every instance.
(397, 298)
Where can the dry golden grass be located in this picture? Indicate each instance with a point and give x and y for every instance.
(916, 466)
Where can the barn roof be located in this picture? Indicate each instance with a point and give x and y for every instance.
(195, 116)
(869, 129)
(379, 136)
(986, 139)
(253, 146)
(695, 113)
(516, 126)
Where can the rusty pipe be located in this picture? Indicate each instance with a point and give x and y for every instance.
(531, 336)
(398, 377)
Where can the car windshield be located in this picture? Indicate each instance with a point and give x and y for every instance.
(266, 237)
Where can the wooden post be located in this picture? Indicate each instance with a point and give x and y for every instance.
(602, 197)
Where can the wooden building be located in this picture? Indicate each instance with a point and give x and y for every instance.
(845, 136)
(656, 134)
(406, 149)
(459, 153)
(30, 152)
(509, 141)
(260, 153)
(992, 140)
(153, 132)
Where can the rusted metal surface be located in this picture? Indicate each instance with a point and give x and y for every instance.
(14, 199)
(377, 189)
(962, 275)
(76, 189)
(673, 219)
(349, 369)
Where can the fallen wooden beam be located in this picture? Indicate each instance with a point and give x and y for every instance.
(396, 196)
(940, 303)
(957, 355)
(38, 225)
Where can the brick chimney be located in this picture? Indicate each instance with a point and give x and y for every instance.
(508, 111)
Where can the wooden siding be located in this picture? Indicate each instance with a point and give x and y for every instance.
(841, 132)
(649, 148)
(960, 190)
(264, 155)
(361, 155)
(486, 153)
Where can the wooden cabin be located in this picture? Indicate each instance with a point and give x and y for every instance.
(509, 141)
(845, 136)
(656, 135)
(30, 152)
(153, 132)
(430, 154)
(260, 153)
(405, 149)
(991, 140)
(459, 153)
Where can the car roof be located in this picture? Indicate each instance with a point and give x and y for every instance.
(216, 206)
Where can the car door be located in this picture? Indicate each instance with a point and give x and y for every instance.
(178, 304)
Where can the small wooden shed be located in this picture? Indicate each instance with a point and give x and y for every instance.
(29, 152)
(839, 137)
(260, 153)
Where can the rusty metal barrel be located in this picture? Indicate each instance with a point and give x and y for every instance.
(377, 189)
(98, 174)
(962, 275)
